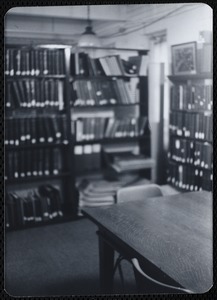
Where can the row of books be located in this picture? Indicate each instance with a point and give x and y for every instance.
(192, 97)
(97, 192)
(31, 93)
(103, 92)
(33, 163)
(36, 206)
(189, 178)
(98, 128)
(103, 191)
(36, 130)
(191, 125)
(87, 158)
(191, 152)
(34, 62)
(110, 65)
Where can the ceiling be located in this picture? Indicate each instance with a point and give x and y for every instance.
(66, 23)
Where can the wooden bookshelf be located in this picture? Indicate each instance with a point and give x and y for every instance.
(108, 85)
(30, 94)
(31, 77)
(190, 150)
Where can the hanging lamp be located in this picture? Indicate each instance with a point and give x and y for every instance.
(89, 38)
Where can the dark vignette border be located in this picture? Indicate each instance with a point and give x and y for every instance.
(5, 5)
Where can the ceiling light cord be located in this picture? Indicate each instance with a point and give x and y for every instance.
(146, 25)
(88, 16)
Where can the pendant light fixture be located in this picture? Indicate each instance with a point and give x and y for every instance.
(89, 38)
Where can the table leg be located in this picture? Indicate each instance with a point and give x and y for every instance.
(106, 264)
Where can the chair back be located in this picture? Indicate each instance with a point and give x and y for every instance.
(138, 192)
(147, 284)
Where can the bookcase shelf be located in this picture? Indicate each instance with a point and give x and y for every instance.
(107, 77)
(193, 111)
(173, 135)
(196, 91)
(36, 178)
(116, 49)
(104, 105)
(12, 77)
(113, 140)
(35, 146)
(190, 165)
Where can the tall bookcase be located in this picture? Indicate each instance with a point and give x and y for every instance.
(109, 107)
(39, 181)
(190, 150)
(64, 108)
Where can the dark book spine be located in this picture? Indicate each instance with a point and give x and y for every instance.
(28, 71)
(56, 164)
(38, 209)
(62, 62)
(7, 62)
(65, 139)
(40, 169)
(11, 62)
(18, 62)
(9, 103)
(17, 96)
(23, 93)
(35, 160)
(37, 62)
(28, 156)
(45, 62)
(47, 161)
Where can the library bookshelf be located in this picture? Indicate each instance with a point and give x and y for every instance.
(191, 135)
(63, 109)
(39, 177)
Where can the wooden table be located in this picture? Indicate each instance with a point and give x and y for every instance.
(171, 236)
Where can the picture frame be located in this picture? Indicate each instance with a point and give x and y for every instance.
(184, 59)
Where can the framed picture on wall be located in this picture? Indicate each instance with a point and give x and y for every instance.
(184, 58)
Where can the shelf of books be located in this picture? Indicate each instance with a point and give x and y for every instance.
(191, 132)
(109, 121)
(38, 172)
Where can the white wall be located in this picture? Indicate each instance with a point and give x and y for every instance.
(183, 26)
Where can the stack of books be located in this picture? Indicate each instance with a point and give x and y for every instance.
(98, 192)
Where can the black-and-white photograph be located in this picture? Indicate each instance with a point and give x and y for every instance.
(108, 117)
